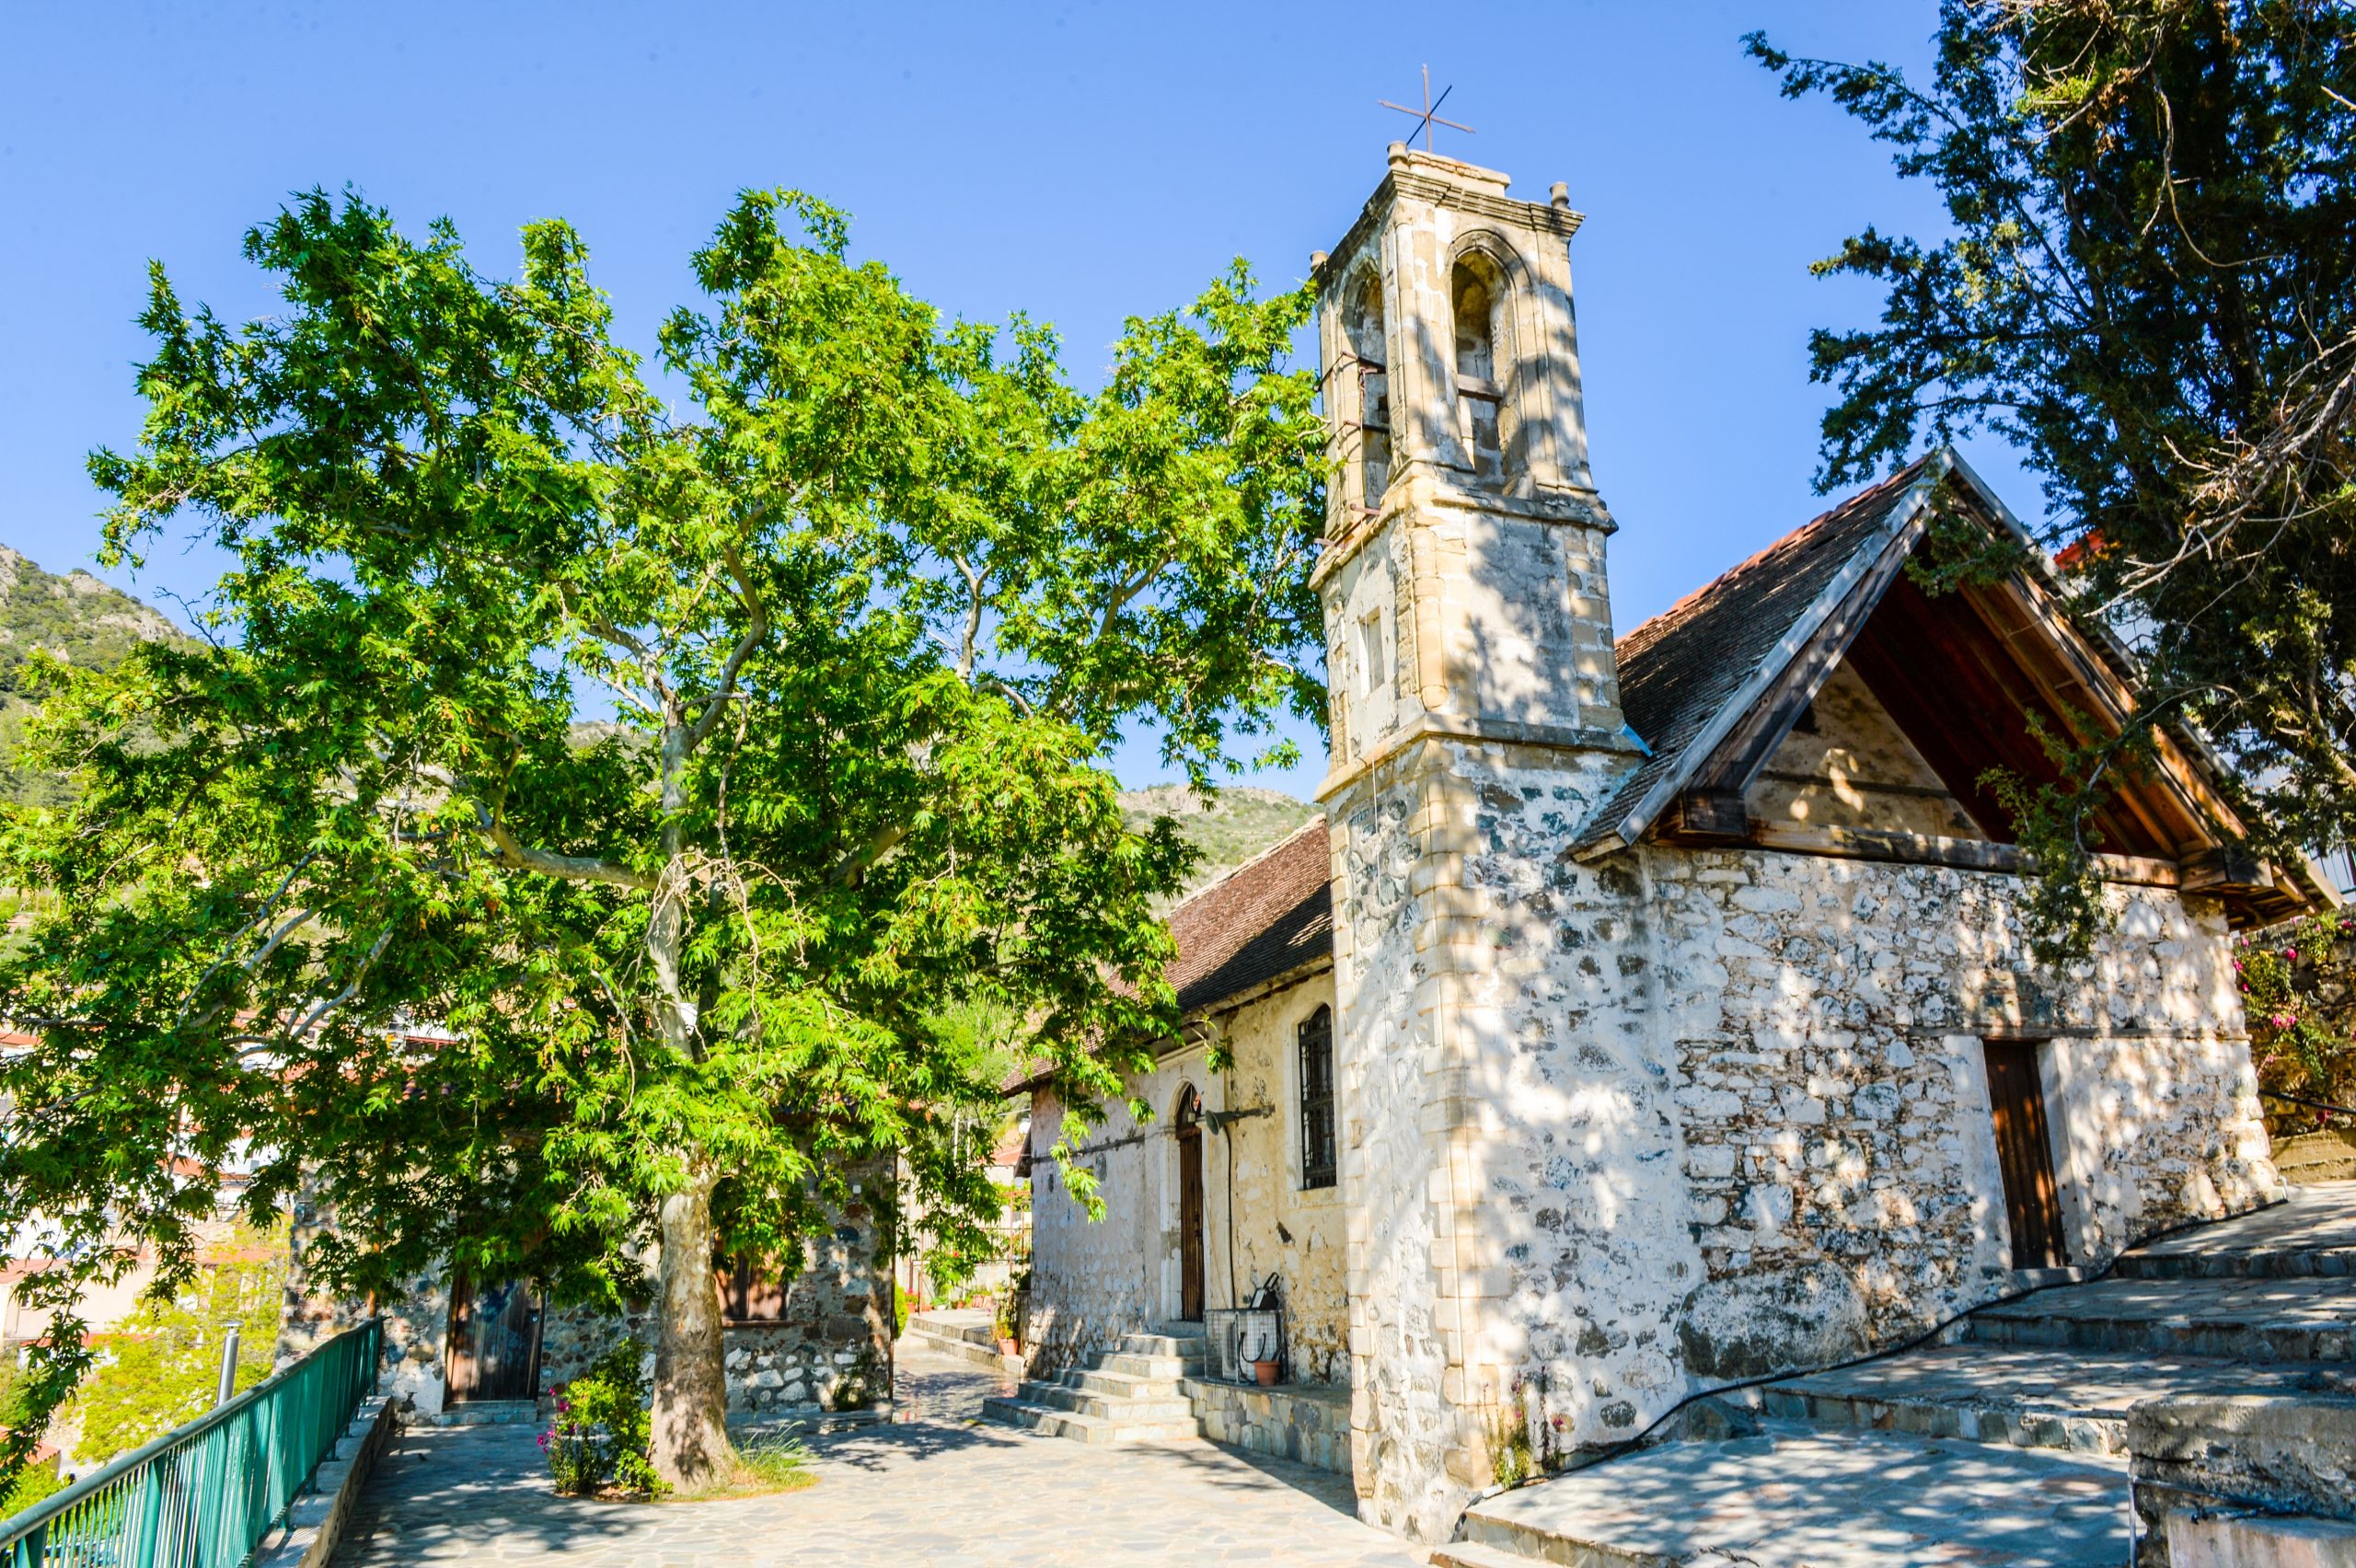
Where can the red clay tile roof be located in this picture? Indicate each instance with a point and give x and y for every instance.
(1268, 915)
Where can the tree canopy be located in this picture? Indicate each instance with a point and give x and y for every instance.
(2147, 280)
(349, 890)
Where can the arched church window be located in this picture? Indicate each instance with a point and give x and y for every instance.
(1371, 373)
(1318, 1161)
(1475, 295)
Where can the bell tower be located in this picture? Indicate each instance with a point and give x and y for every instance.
(1476, 723)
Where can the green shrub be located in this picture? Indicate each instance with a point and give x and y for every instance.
(602, 1435)
(33, 1482)
(162, 1363)
(861, 1385)
(901, 1308)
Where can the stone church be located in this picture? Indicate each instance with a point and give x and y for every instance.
(1653, 1010)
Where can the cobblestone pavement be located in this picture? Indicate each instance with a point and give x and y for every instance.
(935, 1489)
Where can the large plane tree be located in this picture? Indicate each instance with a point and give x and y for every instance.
(597, 783)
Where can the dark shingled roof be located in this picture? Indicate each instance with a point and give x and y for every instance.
(1267, 917)
(1681, 668)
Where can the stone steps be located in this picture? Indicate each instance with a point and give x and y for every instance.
(1081, 1401)
(2025, 1396)
(1797, 1498)
(481, 1413)
(1472, 1554)
(966, 1341)
(2256, 1319)
(1130, 1395)
(1124, 1386)
(2313, 1234)
(1019, 1412)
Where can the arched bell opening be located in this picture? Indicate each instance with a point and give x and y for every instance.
(1369, 388)
(1487, 421)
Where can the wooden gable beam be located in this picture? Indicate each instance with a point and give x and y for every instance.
(2066, 659)
(1711, 808)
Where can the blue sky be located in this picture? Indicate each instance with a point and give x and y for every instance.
(1079, 161)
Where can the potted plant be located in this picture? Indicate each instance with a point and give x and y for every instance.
(1263, 1358)
(1007, 1326)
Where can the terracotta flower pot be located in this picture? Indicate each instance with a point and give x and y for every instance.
(1266, 1372)
(1008, 1347)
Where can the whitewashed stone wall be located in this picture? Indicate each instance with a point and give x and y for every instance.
(1685, 1115)
(1829, 1018)
(1279, 1226)
(1092, 1281)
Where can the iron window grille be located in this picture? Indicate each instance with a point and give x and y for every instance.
(1317, 1157)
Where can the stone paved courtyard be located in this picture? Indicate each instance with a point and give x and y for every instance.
(933, 1490)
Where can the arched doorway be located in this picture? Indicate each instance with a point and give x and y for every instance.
(1190, 1205)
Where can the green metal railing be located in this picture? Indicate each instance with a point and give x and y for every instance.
(205, 1494)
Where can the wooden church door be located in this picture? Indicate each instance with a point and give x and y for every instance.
(1190, 1207)
(494, 1345)
(2024, 1154)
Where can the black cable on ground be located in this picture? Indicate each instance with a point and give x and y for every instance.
(1589, 1460)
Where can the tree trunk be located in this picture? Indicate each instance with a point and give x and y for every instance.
(691, 1450)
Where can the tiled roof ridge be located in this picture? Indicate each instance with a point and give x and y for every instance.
(1657, 625)
(1229, 875)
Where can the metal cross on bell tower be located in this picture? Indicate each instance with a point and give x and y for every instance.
(1429, 114)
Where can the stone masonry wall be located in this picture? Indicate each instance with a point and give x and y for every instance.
(837, 1316)
(1684, 1115)
(1507, 1121)
(1828, 1018)
(1093, 1281)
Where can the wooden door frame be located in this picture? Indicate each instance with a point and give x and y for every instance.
(1194, 1262)
(2028, 1172)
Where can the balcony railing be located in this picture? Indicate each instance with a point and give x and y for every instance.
(204, 1495)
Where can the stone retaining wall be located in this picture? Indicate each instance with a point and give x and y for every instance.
(835, 1324)
(2245, 1481)
(1308, 1424)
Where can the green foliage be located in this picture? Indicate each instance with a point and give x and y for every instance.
(1513, 1459)
(602, 1435)
(2147, 282)
(774, 1463)
(871, 601)
(33, 1484)
(2298, 986)
(162, 1364)
(862, 1384)
(46, 621)
(903, 1307)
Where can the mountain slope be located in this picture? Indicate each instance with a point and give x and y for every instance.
(80, 619)
(1229, 831)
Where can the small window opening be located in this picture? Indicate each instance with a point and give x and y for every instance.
(1374, 665)
(1317, 1144)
